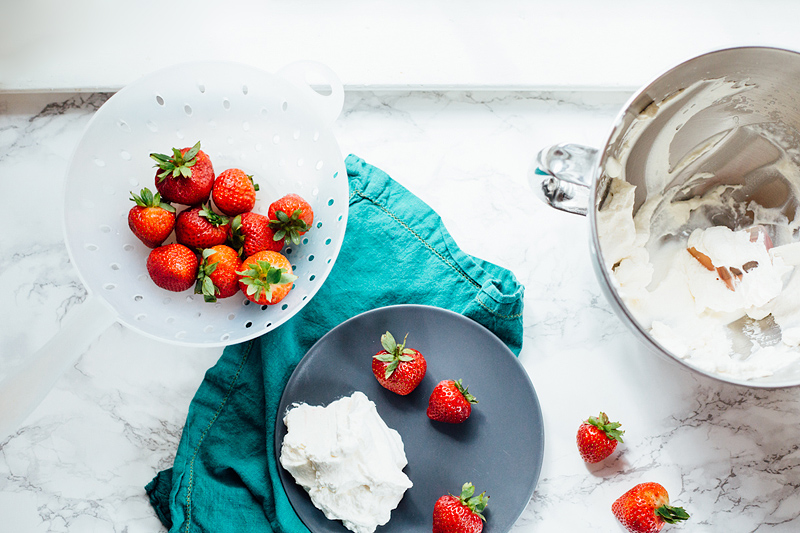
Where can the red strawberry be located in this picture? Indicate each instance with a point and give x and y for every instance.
(460, 515)
(151, 220)
(450, 402)
(645, 509)
(398, 368)
(266, 277)
(185, 177)
(250, 233)
(290, 217)
(200, 227)
(173, 267)
(234, 192)
(217, 277)
(597, 438)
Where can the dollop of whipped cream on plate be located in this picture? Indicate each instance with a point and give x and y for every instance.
(347, 459)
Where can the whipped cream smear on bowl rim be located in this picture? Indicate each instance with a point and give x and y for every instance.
(725, 300)
(347, 459)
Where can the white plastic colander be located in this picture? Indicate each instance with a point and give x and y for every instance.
(275, 127)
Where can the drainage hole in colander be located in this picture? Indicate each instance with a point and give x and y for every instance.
(259, 147)
(315, 136)
(152, 126)
(180, 335)
(340, 218)
(246, 126)
(296, 134)
(198, 314)
(245, 90)
(310, 257)
(138, 298)
(300, 162)
(114, 266)
(170, 320)
(166, 301)
(99, 162)
(105, 229)
(304, 298)
(330, 202)
(305, 241)
(327, 242)
(264, 111)
(226, 103)
(208, 329)
(159, 100)
(284, 105)
(141, 316)
(231, 316)
(312, 277)
(124, 126)
(190, 299)
(179, 134)
(188, 110)
(134, 182)
(315, 191)
(288, 251)
(225, 337)
(335, 174)
(246, 302)
(125, 155)
(319, 165)
(284, 307)
(109, 286)
(268, 325)
(264, 307)
(319, 225)
(142, 277)
(294, 267)
(276, 139)
(329, 260)
(94, 247)
(248, 324)
(201, 88)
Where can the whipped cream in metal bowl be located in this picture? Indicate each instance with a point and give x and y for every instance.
(703, 242)
(347, 459)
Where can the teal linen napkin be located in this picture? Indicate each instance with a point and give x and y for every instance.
(396, 251)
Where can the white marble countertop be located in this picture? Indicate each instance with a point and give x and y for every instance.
(729, 455)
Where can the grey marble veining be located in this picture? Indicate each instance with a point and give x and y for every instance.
(729, 455)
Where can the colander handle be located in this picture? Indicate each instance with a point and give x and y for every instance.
(28, 384)
(562, 177)
(320, 84)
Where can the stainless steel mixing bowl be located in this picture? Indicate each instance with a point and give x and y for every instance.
(749, 127)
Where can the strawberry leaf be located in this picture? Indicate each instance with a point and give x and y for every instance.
(213, 218)
(465, 392)
(388, 342)
(391, 368)
(671, 515)
(609, 428)
(192, 153)
(476, 504)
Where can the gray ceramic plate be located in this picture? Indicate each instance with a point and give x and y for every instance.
(499, 448)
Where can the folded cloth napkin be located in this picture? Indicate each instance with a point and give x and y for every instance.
(396, 251)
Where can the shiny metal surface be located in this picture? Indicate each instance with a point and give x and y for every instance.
(737, 139)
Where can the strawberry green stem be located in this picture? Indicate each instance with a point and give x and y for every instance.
(671, 515)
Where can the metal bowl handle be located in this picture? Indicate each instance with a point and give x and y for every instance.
(562, 177)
